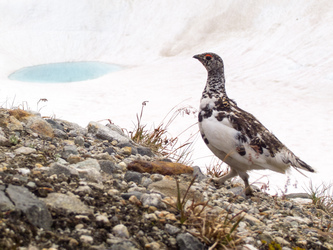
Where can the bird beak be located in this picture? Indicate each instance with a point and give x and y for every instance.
(197, 57)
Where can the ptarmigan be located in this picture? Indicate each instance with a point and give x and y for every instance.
(236, 136)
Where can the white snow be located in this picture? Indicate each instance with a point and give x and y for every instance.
(278, 59)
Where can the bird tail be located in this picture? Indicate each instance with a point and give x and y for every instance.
(301, 164)
(296, 162)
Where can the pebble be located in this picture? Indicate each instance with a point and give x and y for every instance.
(120, 231)
(102, 218)
(25, 150)
(172, 229)
(152, 200)
(34, 208)
(156, 177)
(83, 190)
(105, 133)
(69, 150)
(69, 203)
(186, 241)
(133, 176)
(86, 239)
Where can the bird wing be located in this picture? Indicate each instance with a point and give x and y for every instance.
(244, 140)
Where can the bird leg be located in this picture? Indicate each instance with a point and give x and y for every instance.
(233, 173)
(245, 178)
(221, 180)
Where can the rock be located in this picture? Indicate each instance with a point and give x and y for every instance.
(71, 128)
(169, 188)
(4, 141)
(250, 247)
(120, 231)
(266, 237)
(73, 159)
(238, 191)
(105, 133)
(114, 192)
(102, 218)
(150, 217)
(31, 185)
(68, 150)
(59, 133)
(134, 200)
(159, 167)
(68, 203)
(123, 145)
(145, 151)
(154, 246)
(123, 245)
(14, 124)
(126, 196)
(24, 171)
(34, 209)
(146, 182)
(152, 200)
(133, 176)
(40, 126)
(281, 241)
(57, 168)
(109, 150)
(89, 169)
(156, 177)
(79, 140)
(198, 174)
(5, 203)
(186, 241)
(298, 195)
(25, 150)
(83, 190)
(86, 239)
(103, 156)
(115, 128)
(297, 219)
(56, 125)
(108, 167)
(172, 229)
(126, 151)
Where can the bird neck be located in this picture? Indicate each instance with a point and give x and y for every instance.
(215, 85)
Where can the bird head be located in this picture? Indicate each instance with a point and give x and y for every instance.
(211, 61)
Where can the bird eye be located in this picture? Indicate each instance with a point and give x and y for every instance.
(208, 57)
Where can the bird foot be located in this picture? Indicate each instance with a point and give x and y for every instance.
(248, 191)
(220, 181)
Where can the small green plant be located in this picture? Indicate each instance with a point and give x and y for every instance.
(14, 140)
(270, 246)
(322, 196)
(180, 205)
(322, 199)
(181, 202)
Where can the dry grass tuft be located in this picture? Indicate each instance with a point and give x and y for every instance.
(159, 140)
(215, 169)
(215, 228)
(19, 114)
